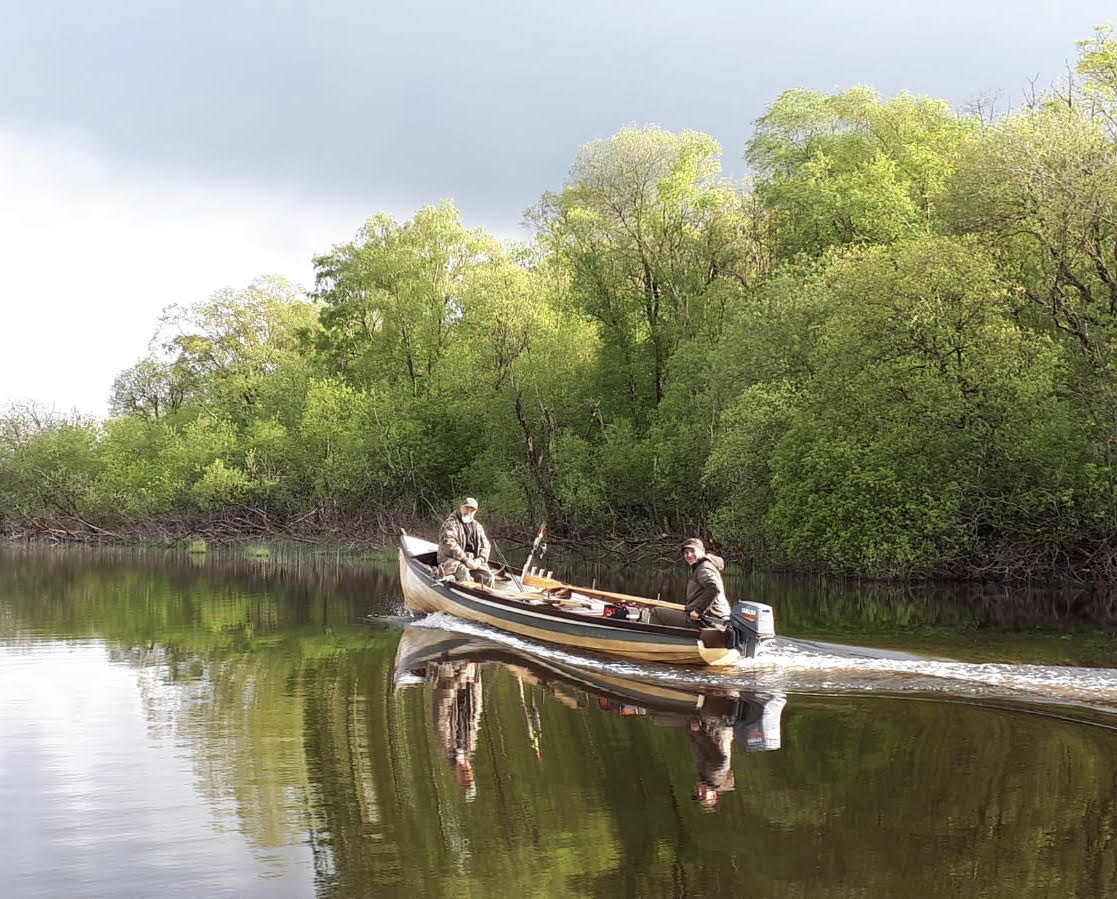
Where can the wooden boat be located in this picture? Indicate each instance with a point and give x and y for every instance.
(753, 715)
(578, 617)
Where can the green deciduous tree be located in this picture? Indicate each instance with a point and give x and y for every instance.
(1097, 64)
(151, 388)
(390, 297)
(222, 348)
(1041, 188)
(48, 466)
(930, 422)
(651, 238)
(849, 168)
(154, 468)
(759, 374)
(516, 372)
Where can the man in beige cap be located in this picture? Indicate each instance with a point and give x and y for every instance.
(463, 547)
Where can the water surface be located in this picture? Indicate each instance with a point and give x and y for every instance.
(225, 726)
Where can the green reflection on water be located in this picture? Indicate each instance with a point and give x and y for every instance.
(286, 705)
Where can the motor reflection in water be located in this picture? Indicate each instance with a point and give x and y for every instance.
(451, 664)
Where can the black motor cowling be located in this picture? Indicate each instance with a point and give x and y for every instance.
(750, 623)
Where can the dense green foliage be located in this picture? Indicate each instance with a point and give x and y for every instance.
(893, 350)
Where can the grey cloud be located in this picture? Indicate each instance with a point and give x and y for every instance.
(486, 102)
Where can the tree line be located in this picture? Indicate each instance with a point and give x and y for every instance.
(890, 350)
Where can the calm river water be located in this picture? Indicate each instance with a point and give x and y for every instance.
(230, 726)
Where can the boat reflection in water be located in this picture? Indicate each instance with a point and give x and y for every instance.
(452, 665)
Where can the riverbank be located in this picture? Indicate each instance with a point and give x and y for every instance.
(351, 537)
(378, 532)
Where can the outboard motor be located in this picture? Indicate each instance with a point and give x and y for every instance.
(750, 623)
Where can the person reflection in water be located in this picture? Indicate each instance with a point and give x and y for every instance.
(456, 707)
(711, 742)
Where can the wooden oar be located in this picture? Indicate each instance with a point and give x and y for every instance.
(546, 583)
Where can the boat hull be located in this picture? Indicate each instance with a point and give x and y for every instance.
(530, 615)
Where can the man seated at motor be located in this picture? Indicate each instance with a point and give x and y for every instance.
(463, 547)
(705, 592)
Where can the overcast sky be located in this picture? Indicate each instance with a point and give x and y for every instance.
(155, 152)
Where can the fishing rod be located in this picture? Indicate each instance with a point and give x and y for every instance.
(537, 546)
(511, 571)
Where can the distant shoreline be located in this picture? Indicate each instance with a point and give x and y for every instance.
(364, 537)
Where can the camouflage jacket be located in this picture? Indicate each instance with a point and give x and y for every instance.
(452, 542)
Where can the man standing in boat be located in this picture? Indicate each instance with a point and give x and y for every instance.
(705, 592)
(463, 547)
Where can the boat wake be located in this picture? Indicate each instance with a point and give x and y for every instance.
(801, 666)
